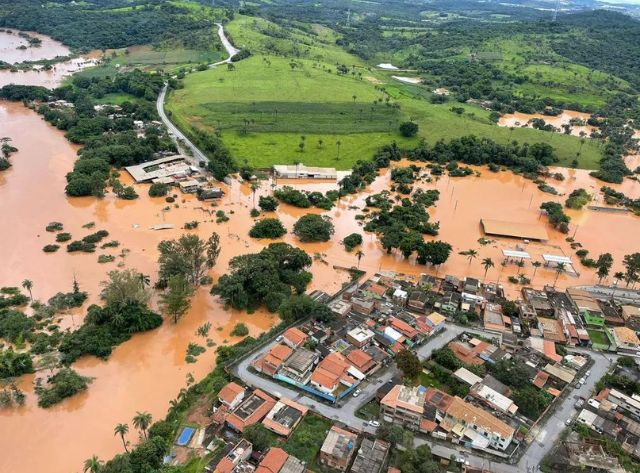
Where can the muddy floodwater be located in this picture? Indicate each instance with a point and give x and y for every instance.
(146, 372)
(48, 49)
(520, 119)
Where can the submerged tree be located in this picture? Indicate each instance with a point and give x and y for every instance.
(142, 421)
(176, 300)
(124, 288)
(122, 430)
(189, 256)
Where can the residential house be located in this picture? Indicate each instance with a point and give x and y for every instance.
(360, 336)
(480, 427)
(338, 448)
(436, 321)
(361, 360)
(332, 371)
(340, 307)
(231, 395)
(278, 461)
(539, 301)
(403, 405)
(299, 365)
(405, 329)
(250, 411)
(294, 337)
(626, 340)
(233, 460)
(362, 306)
(493, 399)
(560, 373)
(371, 457)
(271, 361)
(284, 417)
(418, 301)
(494, 319)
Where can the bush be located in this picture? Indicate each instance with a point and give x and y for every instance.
(51, 248)
(54, 227)
(293, 197)
(408, 129)
(62, 237)
(170, 200)
(240, 330)
(267, 203)
(62, 385)
(267, 228)
(158, 190)
(351, 241)
(313, 227)
(106, 259)
(254, 213)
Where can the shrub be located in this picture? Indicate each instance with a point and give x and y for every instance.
(254, 213)
(62, 237)
(106, 258)
(240, 330)
(408, 129)
(158, 190)
(170, 199)
(267, 203)
(51, 248)
(63, 384)
(351, 241)
(267, 228)
(54, 227)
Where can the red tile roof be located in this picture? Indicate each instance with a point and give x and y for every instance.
(332, 368)
(361, 360)
(296, 336)
(540, 380)
(254, 417)
(550, 351)
(230, 392)
(404, 328)
(273, 461)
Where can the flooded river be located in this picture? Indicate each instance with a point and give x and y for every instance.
(149, 370)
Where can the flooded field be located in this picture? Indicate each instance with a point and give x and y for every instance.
(519, 119)
(48, 49)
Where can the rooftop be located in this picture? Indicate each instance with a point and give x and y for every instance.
(163, 167)
(273, 461)
(228, 393)
(251, 410)
(371, 456)
(473, 415)
(339, 443)
(284, 415)
(532, 231)
(295, 336)
(360, 334)
(405, 397)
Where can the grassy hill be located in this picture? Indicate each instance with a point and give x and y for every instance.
(289, 92)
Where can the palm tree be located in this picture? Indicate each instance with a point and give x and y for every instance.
(92, 465)
(619, 276)
(122, 430)
(254, 187)
(359, 255)
(470, 254)
(520, 265)
(487, 263)
(560, 268)
(28, 285)
(536, 265)
(145, 279)
(142, 421)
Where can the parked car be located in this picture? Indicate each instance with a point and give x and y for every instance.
(356, 393)
(579, 403)
(587, 374)
(279, 338)
(374, 423)
(568, 422)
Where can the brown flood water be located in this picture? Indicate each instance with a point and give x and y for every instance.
(49, 49)
(149, 370)
(519, 119)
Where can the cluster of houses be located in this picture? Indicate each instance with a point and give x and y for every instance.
(238, 408)
(330, 360)
(615, 414)
(573, 317)
(486, 418)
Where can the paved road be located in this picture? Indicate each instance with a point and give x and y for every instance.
(178, 137)
(345, 412)
(545, 436)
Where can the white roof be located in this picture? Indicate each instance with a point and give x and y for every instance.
(360, 334)
(392, 333)
(557, 259)
(356, 373)
(494, 397)
(463, 374)
(587, 417)
(516, 254)
(400, 293)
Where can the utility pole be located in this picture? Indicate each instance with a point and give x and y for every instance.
(348, 16)
(555, 12)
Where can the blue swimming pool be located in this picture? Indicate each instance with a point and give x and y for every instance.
(185, 436)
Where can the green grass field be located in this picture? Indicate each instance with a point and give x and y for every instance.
(265, 106)
(599, 339)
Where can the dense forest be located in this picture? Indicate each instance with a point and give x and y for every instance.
(113, 23)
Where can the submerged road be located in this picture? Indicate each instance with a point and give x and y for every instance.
(545, 435)
(178, 137)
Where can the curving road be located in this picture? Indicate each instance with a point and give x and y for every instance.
(178, 137)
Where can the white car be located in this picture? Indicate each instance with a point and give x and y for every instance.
(587, 374)
(356, 393)
(374, 423)
(568, 422)
(279, 339)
